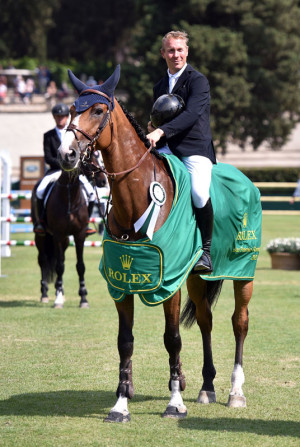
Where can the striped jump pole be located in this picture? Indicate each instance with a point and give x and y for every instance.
(14, 219)
(28, 243)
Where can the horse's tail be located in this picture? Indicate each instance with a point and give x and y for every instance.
(188, 314)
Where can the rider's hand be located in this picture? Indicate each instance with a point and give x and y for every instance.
(155, 136)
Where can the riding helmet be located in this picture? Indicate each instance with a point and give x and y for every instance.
(165, 108)
(60, 109)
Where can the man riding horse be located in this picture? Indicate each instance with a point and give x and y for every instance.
(52, 141)
(188, 135)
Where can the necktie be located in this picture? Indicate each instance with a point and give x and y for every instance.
(172, 83)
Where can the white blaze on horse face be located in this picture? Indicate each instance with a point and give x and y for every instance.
(68, 141)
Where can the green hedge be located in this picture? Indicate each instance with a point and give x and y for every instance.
(271, 174)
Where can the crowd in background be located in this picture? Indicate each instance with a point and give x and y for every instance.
(23, 88)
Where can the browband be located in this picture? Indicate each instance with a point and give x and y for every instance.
(91, 90)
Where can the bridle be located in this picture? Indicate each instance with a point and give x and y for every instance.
(86, 155)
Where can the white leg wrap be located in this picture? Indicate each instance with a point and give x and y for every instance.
(176, 399)
(60, 299)
(237, 380)
(121, 405)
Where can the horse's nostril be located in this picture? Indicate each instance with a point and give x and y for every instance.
(70, 156)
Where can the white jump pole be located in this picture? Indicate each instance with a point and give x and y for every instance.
(5, 181)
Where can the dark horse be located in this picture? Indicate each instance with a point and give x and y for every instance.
(98, 122)
(66, 214)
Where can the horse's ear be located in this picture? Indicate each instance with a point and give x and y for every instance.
(110, 84)
(77, 84)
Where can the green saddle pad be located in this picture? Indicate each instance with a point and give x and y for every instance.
(155, 269)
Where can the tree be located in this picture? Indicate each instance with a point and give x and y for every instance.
(249, 51)
(24, 26)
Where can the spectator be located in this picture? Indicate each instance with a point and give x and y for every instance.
(91, 81)
(20, 88)
(296, 192)
(44, 78)
(30, 87)
(3, 89)
(51, 93)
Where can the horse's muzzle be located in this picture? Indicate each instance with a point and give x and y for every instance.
(68, 160)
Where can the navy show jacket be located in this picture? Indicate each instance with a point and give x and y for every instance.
(189, 133)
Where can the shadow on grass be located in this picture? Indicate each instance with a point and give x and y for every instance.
(243, 425)
(63, 403)
(93, 404)
(20, 303)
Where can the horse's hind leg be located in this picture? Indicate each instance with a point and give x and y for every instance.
(80, 267)
(125, 390)
(172, 340)
(242, 294)
(197, 289)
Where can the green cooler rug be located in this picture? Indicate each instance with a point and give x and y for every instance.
(155, 269)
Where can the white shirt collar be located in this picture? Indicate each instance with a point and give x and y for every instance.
(178, 73)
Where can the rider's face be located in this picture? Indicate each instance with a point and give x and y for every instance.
(61, 120)
(175, 52)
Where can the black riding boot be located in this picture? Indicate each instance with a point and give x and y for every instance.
(39, 226)
(89, 230)
(205, 220)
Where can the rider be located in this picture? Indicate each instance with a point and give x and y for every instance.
(188, 135)
(52, 141)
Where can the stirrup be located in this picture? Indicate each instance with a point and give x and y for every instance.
(203, 265)
(39, 229)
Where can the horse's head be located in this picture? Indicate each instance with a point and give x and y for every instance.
(89, 128)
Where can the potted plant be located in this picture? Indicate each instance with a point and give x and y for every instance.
(285, 253)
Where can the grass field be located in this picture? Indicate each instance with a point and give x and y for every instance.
(59, 368)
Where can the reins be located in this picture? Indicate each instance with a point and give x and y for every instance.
(85, 157)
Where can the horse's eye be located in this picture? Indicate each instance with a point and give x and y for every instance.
(98, 111)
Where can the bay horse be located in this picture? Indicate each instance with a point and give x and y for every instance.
(99, 122)
(66, 214)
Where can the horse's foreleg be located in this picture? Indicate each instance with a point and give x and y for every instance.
(125, 390)
(80, 267)
(242, 294)
(172, 340)
(44, 266)
(60, 268)
(197, 292)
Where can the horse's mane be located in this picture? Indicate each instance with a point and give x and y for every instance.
(140, 132)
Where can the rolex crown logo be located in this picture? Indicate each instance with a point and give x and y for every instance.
(245, 218)
(126, 261)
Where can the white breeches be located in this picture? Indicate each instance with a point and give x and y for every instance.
(55, 176)
(200, 172)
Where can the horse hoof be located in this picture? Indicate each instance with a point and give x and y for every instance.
(235, 401)
(115, 416)
(175, 412)
(58, 306)
(44, 300)
(84, 305)
(206, 397)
